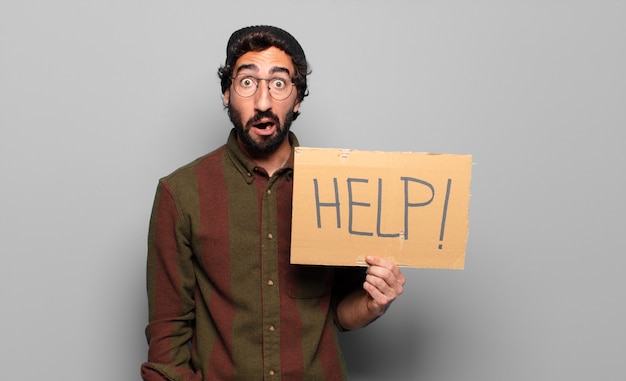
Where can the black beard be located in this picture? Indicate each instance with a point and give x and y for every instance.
(267, 145)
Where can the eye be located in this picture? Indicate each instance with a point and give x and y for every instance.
(279, 83)
(247, 82)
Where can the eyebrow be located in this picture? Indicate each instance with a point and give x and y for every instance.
(273, 70)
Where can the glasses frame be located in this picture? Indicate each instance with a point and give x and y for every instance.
(258, 82)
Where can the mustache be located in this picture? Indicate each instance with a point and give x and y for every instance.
(262, 115)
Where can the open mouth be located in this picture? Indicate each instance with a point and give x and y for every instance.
(264, 126)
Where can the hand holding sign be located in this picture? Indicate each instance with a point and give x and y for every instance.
(384, 283)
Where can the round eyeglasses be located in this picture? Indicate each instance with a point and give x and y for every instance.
(279, 88)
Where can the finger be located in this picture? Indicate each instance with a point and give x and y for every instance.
(385, 263)
(392, 276)
(378, 298)
(373, 260)
(380, 283)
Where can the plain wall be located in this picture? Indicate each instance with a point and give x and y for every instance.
(99, 99)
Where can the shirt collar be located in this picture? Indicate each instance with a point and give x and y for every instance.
(245, 165)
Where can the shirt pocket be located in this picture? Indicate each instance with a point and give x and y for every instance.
(307, 282)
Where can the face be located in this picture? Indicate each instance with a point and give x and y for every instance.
(262, 122)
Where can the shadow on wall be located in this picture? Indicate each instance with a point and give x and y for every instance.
(388, 350)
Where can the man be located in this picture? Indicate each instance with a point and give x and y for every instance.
(225, 303)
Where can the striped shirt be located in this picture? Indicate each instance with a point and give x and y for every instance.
(224, 301)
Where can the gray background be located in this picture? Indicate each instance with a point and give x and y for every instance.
(98, 99)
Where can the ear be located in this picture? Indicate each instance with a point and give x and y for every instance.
(226, 98)
(296, 106)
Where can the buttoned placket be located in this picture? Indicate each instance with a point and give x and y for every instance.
(269, 273)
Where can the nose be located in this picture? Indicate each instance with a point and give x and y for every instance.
(263, 99)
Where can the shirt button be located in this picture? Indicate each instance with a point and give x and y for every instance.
(269, 191)
(270, 282)
(270, 236)
(271, 373)
(271, 328)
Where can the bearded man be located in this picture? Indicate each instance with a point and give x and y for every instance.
(224, 301)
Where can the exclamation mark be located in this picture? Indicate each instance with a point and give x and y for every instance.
(445, 212)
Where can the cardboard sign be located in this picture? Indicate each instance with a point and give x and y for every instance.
(409, 207)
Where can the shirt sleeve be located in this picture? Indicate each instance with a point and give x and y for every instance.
(171, 286)
(345, 281)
